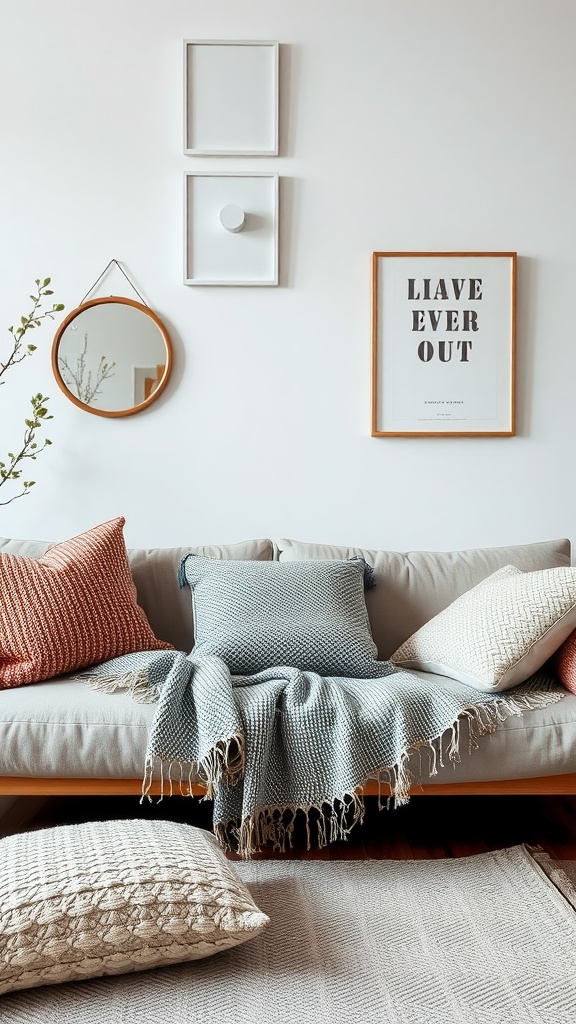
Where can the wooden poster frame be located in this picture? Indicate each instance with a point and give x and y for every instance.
(460, 301)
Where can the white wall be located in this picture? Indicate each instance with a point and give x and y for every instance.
(421, 125)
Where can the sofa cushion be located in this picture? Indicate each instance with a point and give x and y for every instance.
(155, 573)
(413, 586)
(73, 607)
(258, 615)
(500, 632)
(112, 897)
(63, 728)
(532, 745)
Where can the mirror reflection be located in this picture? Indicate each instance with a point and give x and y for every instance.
(112, 356)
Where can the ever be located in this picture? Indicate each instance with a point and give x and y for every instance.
(454, 319)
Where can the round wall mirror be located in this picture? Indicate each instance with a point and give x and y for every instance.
(112, 356)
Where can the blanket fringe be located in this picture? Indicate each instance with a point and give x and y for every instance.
(136, 683)
(482, 719)
(222, 765)
(327, 821)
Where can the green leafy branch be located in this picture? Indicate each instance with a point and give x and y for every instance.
(11, 466)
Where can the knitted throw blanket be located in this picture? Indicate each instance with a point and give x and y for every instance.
(283, 741)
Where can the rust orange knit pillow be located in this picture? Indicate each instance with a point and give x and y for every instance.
(73, 607)
(565, 663)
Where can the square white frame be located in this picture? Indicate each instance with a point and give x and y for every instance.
(230, 97)
(215, 256)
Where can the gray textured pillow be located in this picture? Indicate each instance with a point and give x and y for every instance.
(257, 615)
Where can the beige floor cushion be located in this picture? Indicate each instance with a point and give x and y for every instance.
(112, 897)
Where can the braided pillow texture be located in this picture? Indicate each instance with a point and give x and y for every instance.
(498, 633)
(81, 901)
(258, 615)
(74, 606)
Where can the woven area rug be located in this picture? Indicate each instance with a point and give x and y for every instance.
(488, 939)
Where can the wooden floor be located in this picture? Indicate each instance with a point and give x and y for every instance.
(427, 827)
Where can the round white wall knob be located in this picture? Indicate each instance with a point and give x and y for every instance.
(232, 217)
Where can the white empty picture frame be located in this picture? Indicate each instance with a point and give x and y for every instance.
(230, 98)
(231, 229)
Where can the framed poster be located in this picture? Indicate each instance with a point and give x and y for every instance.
(443, 344)
(230, 97)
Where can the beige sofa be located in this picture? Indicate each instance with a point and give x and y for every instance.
(61, 737)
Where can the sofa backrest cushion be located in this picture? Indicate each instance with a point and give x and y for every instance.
(413, 586)
(155, 573)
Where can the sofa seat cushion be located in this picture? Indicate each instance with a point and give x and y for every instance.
(413, 586)
(155, 573)
(64, 729)
(536, 744)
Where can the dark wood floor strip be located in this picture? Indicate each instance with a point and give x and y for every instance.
(425, 828)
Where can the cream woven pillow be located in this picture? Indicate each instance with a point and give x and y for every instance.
(500, 632)
(79, 901)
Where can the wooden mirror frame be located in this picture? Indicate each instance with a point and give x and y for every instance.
(120, 299)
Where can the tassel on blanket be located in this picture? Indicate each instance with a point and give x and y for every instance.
(136, 683)
(328, 821)
(482, 719)
(222, 765)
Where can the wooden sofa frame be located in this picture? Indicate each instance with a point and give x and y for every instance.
(552, 785)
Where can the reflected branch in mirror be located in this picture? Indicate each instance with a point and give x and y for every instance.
(85, 387)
